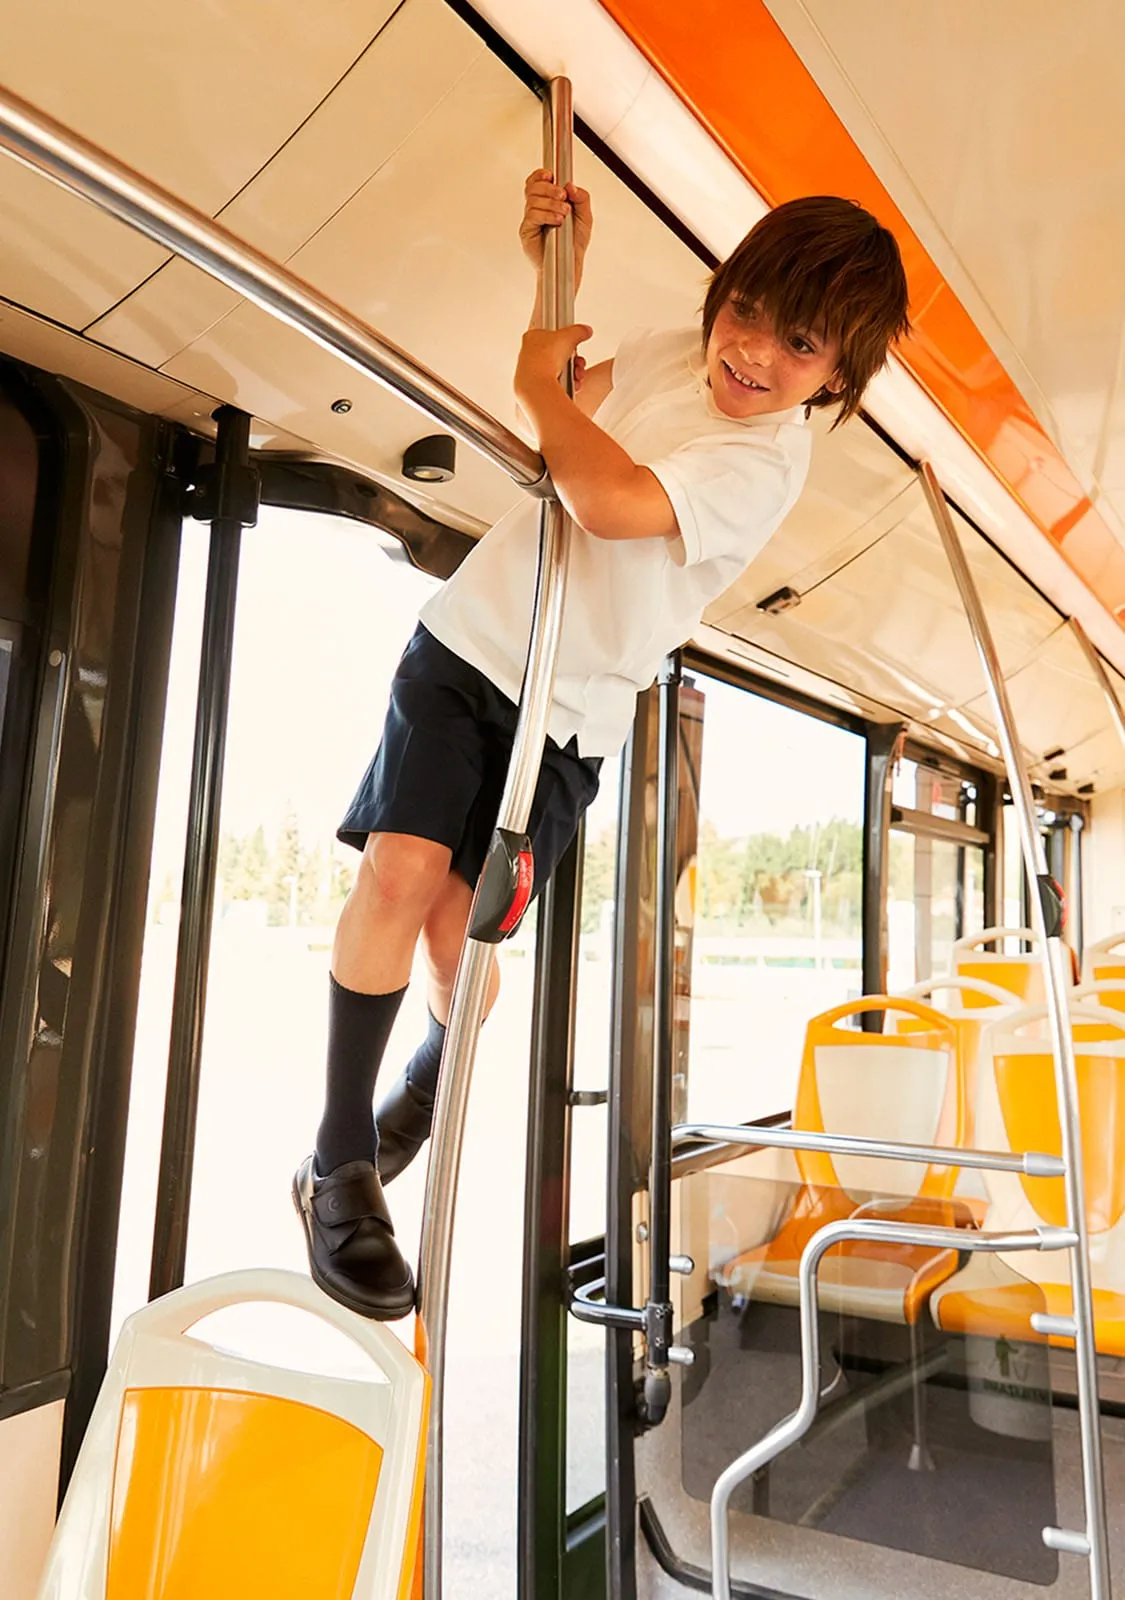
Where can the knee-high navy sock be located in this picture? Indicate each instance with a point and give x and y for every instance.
(425, 1064)
(359, 1026)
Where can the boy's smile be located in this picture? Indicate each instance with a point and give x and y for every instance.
(753, 370)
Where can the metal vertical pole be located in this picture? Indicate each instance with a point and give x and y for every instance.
(231, 495)
(1045, 921)
(471, 986)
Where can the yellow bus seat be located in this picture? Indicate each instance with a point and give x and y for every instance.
(204, 1473)
(1104, 961)
(1107, 992)
(882, 1086)
(1020, 974)
(977, 999)
(995, 1296)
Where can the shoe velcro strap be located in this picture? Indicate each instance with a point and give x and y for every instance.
(339, 1201)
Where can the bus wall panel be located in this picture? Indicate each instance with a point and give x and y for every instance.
(29, 1485)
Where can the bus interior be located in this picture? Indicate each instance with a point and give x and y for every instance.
(813, 826)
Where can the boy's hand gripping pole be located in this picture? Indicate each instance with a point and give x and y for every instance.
(508, 872)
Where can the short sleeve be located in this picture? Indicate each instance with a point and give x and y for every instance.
(729, 495)
(629, 356)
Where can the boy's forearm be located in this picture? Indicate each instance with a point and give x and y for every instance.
(598, 482)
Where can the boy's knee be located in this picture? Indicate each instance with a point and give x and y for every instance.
(399, 870)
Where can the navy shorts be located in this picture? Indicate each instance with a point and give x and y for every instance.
(440, 767)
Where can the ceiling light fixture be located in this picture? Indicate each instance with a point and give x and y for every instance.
(431, 460)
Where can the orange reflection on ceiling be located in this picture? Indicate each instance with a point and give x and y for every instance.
(733, 67)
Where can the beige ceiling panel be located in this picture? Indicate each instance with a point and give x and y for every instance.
(56, 350)
(897, 608)
(1056, 703)
(197, 96)
(58, 255)
(365, 119)
(792, 638)
(427, 252)
(999, 128)
(1099, 760)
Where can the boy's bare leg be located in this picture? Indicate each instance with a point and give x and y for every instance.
(406, 1114)
(399, 879)
(353, 1254)
(443, 934)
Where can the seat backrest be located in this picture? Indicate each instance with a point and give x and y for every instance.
(880, 1086)
(1018, 1110)
(1020, 974)
(1105, 959)
(979, 1001)
(1107, 992)
(204, 1473)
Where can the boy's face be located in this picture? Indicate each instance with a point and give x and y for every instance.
(754, 370)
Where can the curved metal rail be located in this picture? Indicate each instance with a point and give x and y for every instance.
(73, 162)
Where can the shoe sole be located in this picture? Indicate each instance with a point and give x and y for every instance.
(389, 1313)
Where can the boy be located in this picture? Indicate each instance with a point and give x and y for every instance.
(677, 460)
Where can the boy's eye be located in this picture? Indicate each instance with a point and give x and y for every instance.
(801, 344)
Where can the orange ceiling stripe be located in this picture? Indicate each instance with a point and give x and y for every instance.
(731, 64)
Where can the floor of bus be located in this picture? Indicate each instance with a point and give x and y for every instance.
(873, 1504)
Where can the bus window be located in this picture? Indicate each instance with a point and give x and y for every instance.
(158, 964)
(936, 882)
(324, 609)
(778, 892)
(585, 1357)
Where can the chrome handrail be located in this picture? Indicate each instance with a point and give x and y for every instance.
(1030, 1163)
(43, 144)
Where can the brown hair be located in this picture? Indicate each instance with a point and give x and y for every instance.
(821, 263)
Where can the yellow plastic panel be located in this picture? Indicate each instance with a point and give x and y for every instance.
(1006, 1312)
(1026, 1086)
(1013, 973)
(1110, 972)
(224, 1495)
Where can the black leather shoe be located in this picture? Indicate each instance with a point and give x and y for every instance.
(403, 1122)
(351, 1242)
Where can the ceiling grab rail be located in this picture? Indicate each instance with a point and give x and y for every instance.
(1046, 919)
(43, 144)
(1105, 682)
(507, 869)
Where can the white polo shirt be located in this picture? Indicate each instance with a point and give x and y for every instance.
(630, 601)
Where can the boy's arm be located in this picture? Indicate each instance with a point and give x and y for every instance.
(598, 482)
